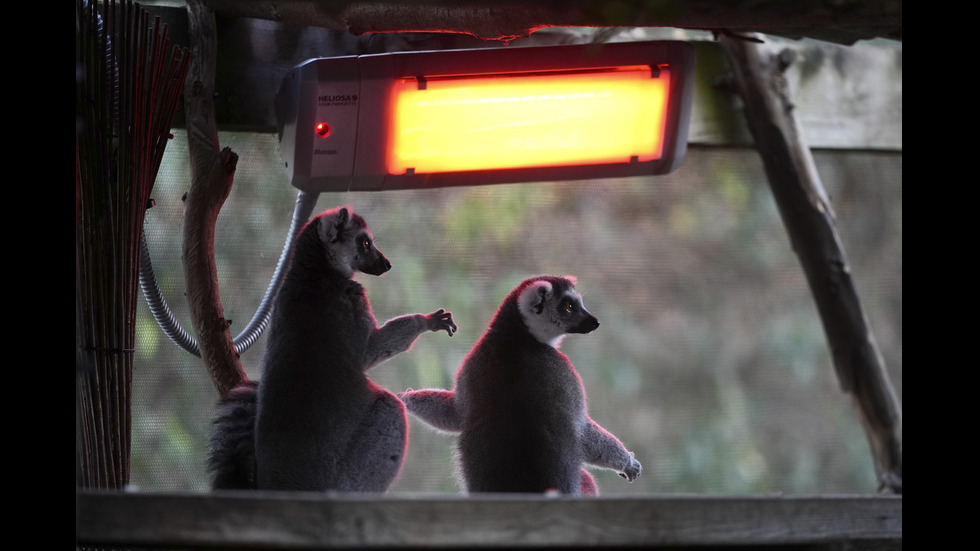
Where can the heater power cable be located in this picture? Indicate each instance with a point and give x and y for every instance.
(305, 203)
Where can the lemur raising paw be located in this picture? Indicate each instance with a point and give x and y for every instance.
(315, 421)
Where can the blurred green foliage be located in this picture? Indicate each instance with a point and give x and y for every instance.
(710, 364)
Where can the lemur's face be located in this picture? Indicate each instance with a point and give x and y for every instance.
(368, 258)
(573, 316)
(552, 310)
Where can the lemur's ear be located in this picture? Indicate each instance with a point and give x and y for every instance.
(542, 296)
(533, 298)
(333, 224)
(342, 218)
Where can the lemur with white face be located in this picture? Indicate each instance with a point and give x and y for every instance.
(315, 421)
(518, 404)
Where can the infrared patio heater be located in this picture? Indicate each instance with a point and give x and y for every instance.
(409, 120)
(426, 119)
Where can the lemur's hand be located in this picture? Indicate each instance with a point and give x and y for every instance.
(632, 470)
(406, 396)
(441, 320)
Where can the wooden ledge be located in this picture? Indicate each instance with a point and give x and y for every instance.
(264, 520)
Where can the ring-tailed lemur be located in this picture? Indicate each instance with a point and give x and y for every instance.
(315, 421)
(519, 405)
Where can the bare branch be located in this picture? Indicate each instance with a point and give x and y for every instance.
(212, 175)
(809, 220)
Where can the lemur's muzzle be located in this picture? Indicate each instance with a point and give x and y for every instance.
(379, 266)
(588, 324)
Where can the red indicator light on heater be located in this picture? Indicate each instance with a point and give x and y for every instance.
(322, 129)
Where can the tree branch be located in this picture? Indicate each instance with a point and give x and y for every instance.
(809, 220)
(212, 175)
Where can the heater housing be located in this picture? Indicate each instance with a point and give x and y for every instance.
(409, 120)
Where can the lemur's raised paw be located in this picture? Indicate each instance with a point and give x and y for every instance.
(441, 320)
(633, 470)
(405, 396)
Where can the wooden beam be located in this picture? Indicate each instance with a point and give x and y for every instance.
(316, 521)
(845, 21)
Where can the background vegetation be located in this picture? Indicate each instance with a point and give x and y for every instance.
(710, 364)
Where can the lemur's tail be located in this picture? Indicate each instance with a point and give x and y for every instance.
(231, 462)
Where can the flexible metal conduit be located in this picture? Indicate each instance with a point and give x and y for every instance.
(305, 203)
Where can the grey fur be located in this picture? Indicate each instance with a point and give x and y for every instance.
(316, 422)
(519, 405)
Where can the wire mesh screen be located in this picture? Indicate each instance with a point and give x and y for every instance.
(711, 362)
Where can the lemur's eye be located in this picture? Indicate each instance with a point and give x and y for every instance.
(569, 307)
(366, 243)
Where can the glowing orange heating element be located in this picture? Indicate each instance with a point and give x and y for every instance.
(450, 124)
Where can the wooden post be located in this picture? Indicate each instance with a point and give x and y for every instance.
(212, 175)
(809, 220)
